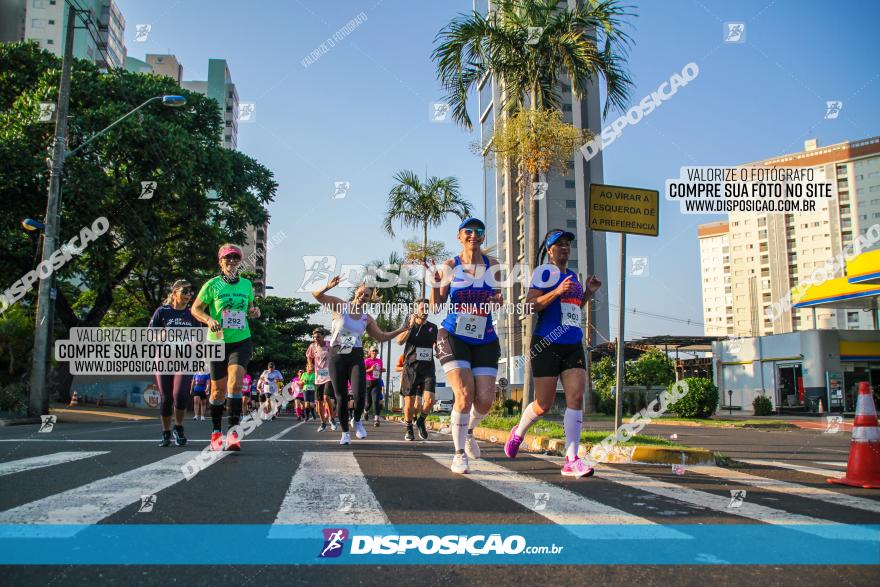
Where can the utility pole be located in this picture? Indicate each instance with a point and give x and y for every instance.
(38, 400)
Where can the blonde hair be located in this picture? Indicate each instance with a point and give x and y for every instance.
(179, 284)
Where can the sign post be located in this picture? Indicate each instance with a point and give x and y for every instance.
(624, 210)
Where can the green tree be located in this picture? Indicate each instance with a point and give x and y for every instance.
(583, 43)
(150, 242)
(16, 343)
(414, 204)
(653, 368)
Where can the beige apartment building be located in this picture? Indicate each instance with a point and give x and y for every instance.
(750, 261)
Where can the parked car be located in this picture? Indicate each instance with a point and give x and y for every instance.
(443, 399)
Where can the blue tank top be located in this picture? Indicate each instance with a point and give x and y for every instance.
(550, 320)
(468, 297)
(200, 381)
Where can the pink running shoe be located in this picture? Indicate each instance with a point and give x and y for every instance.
(577, 468)
(511, 447)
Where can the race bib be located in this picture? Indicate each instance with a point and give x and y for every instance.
(571, 315)
(471, 326)
(423, 354)
(323, 373)
(234, 319)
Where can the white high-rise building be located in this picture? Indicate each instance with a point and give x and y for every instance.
(752, 261)
(564, 206)
(44, 21)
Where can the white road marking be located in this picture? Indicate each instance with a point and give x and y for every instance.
(832, 463)
(793, 467)
(825, 495)
(57, 458)
(285, 431)
(315, 496)
(559, 505)
(753, 511)
(846, 452)
(91, 503)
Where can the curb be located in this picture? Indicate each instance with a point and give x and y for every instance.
(640, 454)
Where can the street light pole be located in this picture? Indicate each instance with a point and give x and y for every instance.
(38, 400)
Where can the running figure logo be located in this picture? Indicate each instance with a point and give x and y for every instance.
(47, 424)
(341, 189)
(541, 500)
(535, 33)
(148, 188)
(346, 502)
(678, 469)
(734, 32)
(142, 32)
(736, 498)
(638, 266)
(439, 111)
(147, 503)
(832, 109)
(334, 539)
(319, 270)
(247, 112)
(539, 190)
(47, 111)
(832, 424)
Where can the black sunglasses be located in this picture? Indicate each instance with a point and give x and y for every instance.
(477, 231)
(231, 257)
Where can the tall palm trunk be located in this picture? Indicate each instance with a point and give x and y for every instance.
(424, 257)
(531, 251)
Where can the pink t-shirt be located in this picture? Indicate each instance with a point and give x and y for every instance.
(320, 358)
(374, 368)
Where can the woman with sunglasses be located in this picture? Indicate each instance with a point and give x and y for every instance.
(467, 344)
(174, 388)
(224, 304)
(557, 347)
(346, 362)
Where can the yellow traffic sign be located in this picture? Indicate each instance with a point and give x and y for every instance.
(614, 208)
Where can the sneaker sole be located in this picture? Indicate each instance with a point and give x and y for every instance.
(575, 475)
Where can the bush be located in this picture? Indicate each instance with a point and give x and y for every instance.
(512, 406)
(13, 398)
(762, 406)
(700, 400)
(498, 408)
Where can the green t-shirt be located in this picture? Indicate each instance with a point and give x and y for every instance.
(307, 380)
(228, 304)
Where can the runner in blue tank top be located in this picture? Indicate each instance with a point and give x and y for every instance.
(467, 345)
(557, 348)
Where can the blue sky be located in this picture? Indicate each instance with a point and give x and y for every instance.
(360, 113)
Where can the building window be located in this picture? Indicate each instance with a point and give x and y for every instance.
(38, 23)
(40, 3)
(50, 41)
(573, 264)
(569, 183)
(570, 204)
(566, 107)
(571, 223)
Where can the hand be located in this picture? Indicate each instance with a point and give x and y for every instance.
(214, 325)
(565, 287)
(593, 284)
(436, 276)
(254, 312)
(333, 282)
(496, 298)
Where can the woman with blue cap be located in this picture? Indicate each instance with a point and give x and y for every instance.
(557, 347)
(467, 344)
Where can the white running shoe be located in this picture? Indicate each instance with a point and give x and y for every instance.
(195, 417)
(333, 425)
(322, 427)
(471, 448)
(202, 418)
(359, 430)
(346, 438)
(460, 463)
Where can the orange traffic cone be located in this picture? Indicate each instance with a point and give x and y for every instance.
(821, 408)
(73, 402)
(863, 467)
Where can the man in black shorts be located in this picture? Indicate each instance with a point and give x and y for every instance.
(319, 353)
(418, 378)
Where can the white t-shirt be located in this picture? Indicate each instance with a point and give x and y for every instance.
(270, 381)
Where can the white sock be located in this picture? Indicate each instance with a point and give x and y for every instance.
(529, 417)
(476, 418)
(459, 423)
(572, 423)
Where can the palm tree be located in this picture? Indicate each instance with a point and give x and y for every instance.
(399, 293)
(417, 205)
(527, 45)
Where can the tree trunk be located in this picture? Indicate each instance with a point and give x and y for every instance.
(424, 257)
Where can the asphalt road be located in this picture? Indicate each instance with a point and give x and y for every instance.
(288, 476)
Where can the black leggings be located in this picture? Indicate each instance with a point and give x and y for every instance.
(373, 393)
(345, 368)
(174, 390)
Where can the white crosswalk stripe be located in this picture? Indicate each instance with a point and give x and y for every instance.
(329, 487)
(833, 497)
(720, 503)
(794, 467)
(91, 503)
(557, 504)
(48, 460)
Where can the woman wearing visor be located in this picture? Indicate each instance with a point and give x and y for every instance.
(557, 347)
